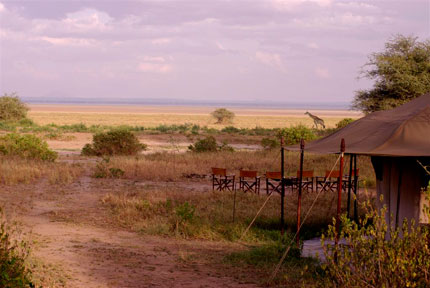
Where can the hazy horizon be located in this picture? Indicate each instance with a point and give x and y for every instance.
(268, 52)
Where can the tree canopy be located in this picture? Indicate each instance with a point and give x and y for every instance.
(401, 73)
(222, 115)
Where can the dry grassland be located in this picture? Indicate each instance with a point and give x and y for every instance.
(155, 116)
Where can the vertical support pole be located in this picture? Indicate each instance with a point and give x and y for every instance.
(299, 200)
(282, 185)
(349, 185)
(339, 190)
(355, 189)
(234, 205)
(399, 185)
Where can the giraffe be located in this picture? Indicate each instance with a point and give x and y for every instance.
(317, 120)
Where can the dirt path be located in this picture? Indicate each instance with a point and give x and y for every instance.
(72, 233)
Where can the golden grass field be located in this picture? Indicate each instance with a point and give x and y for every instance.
(151, 116)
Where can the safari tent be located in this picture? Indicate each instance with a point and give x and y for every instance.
(397, 140)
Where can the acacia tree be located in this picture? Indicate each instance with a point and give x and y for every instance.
(222, 115)
(401, 73)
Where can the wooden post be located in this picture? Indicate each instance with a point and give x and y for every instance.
(234, 204)
(282, 185)
(355, 190)
(339, 190)
(299, 200)
(349, 185)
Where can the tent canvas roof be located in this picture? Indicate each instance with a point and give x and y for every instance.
(402, 131)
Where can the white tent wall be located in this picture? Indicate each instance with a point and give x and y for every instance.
(400, 178)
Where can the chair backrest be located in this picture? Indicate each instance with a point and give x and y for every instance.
(219, 171)
(333, 174)
(306, 174)
(248, 174)
(273, 175)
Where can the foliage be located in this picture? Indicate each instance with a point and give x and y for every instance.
(222, 115)
(209, 144)
(114, 142)
(12, 108)
(401, 73)
(270, 143)
(103, 170)
(26, 146)
(294, 134)
(13, 255)
(344, 122)
(184, 213)
(371, 259)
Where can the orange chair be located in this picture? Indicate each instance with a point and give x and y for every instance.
(273, 182)
(307, 180)
(329, 182)
(221, 181)
(249, 181)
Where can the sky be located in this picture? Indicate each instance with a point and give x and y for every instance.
(292, 51)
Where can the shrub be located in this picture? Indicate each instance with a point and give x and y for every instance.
(293, 134)
(222, 115)
(209, 144)
(104, 171)
(13, 255)
(26, 146)
(270, 143)
(230, 129)
(344, 122)
(12, 108)
(115, 142)
(371, 259)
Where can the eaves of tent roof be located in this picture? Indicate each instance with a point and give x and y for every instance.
(403, 131)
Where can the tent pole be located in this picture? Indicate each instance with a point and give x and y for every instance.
(282, 185)
(349, 185)
(299, 200)
(339, 190)
(355, 189)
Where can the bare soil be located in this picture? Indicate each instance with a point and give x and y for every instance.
(72, 232)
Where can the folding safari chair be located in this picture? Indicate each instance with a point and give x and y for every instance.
(249, 181)
(273, 182)
(329, 182)
(221, 181)
(354, 177)
(307, 181)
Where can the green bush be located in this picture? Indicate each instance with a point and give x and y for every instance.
(12, 108)
(209, 144)
(293, 134)
(13, 255)
(344, 122)
(371, 259)
(114, 142)
(26, 146)
(103, 170)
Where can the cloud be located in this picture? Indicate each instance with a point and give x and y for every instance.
(322, 73)
(288, 5)
(2, 8)
(88, 19)
(161, 41)
(270, 59)
(69, 41)
(155, 64)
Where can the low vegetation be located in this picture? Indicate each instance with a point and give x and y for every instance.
(371, 259)
(115, 142)
(209, 144)
(12, 108)
(26, 146)
(13, 256)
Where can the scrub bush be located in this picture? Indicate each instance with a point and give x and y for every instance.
(377, 255)
(26, 146)
(209, 144)
(12, 108)
(114, 142)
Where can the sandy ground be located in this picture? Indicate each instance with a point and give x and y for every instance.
(72, 233)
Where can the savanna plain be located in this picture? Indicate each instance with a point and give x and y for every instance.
(152, 219)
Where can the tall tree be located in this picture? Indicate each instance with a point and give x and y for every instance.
(401, 73)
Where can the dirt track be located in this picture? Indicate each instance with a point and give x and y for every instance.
(72, 233)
